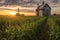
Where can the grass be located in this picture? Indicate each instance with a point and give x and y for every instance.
(29, 28)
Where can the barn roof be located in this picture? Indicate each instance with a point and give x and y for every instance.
(41, 7)
(44, 5)
(47, 5)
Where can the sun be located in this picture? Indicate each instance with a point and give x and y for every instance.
(13, 13)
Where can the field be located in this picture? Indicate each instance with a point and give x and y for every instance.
(29, 28)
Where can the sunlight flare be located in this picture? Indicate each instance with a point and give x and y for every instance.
(13, 13)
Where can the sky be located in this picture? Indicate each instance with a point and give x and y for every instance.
(6, 12)
(54, 1)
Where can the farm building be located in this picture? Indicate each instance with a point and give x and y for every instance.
(43, 10)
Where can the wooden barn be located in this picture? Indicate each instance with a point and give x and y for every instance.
(43, 10)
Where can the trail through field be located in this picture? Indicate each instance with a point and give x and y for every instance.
(44, 32)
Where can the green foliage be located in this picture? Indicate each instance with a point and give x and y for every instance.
(29, 28)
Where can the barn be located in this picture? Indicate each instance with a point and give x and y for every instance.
(43, 10)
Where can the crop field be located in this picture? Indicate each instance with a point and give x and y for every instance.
(29, 28)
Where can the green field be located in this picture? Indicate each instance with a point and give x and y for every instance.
(29, 28)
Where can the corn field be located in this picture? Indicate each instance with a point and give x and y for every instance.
(29, 28)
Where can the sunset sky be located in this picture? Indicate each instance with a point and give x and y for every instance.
(12, 12)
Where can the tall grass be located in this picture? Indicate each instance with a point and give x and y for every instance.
(29, 28)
